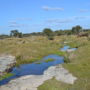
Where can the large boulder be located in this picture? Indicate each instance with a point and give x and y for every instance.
(6, 63)
(32, 82)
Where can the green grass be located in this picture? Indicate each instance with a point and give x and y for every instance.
(79, 66)
(34, 48)
(60, 53)
(6, 76)
(49, 60)
(29, 49)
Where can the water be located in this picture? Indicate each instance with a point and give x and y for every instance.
(36, 68)
(33, 68)
(66, 48)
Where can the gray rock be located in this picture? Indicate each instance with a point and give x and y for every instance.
(32, 82)
(6, 62)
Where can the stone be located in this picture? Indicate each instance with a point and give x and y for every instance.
(6, 63)
(32, 82)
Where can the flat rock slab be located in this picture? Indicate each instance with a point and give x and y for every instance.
(6, 62)
(32, 82)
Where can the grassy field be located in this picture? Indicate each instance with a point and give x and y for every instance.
(29, 49)
(79, 66)
(34, 48)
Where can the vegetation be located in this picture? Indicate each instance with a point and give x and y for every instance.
(34, 46)
(79, 66)
(6, 76)
(49, 60)
(29, 49)
(49, 33)
(77, 29)
(16, 33)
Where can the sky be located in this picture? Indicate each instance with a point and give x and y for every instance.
(34, 15)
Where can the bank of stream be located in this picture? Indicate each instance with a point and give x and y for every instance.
(36, 68)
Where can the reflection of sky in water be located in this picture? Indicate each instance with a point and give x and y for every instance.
(36, 68)
(33, 68)
(65, 48)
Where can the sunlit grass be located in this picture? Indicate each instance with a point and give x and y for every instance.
(32, 49)
(79, 66)
(6, 76)
(49, 60)
(29, 49)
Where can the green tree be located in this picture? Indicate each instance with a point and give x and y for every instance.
(49, 33)
(20, 35)
(77, 29)
(16, 33)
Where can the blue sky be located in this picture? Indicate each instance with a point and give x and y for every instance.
(35, 15)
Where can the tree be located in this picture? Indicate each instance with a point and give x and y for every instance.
(49, 33)
(20, 35)
(16, 33)
(77, 29)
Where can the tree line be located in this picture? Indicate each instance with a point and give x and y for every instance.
(77, 30)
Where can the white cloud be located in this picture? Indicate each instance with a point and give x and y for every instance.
(24, 19)
(59, 20)
(17, 25)
(67, 20)
(84, 10)
(46, 8)
(81, 17)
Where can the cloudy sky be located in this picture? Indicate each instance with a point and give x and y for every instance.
(35, 15)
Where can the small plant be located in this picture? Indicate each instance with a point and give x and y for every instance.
(38, 63)
(6, 76)
(19, 57)
(60, 53)
(49, 60)
(66, 58)
(50, 37)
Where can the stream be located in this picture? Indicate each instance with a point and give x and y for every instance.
(36, 68)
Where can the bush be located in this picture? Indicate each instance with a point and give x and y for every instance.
(50, 37)
(66, 59)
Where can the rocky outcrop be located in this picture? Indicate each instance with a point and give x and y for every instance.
(32, 82)
(6, 63)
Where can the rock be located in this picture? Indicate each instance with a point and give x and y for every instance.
(32, 82)
(6, 63)
(71, 50)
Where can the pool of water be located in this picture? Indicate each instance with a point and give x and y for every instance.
(66, 48)
(36, 68)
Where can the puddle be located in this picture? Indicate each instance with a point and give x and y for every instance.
(67, 48)
(37, 68)
(34, 68)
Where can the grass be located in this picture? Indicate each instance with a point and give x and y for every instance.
(60, 53)
(79, 66)
(6, 76)
(34, 48)
(29, 49)
(49, 60)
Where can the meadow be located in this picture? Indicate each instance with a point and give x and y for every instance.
(79, 66)
(34, 48)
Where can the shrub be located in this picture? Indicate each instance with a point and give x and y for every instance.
(50, 37)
